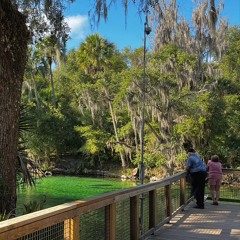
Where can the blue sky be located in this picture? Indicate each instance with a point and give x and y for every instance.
(131, 34)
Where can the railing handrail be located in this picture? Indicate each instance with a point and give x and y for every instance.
(106, 199)
(70, 213)
(231, 170)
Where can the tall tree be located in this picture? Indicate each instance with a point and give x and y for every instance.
(185, 54)
(13, 53)
(229, 91)
(14, 37)
(100, 59)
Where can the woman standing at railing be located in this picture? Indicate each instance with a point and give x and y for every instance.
(214, 168)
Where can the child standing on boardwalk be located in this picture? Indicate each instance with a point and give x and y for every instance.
(214, 168)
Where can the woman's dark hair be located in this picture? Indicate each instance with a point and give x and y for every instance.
(215, 158)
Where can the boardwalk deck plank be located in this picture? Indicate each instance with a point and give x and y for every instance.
(214, 223)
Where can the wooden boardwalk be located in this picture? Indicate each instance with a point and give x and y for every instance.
(220, 222)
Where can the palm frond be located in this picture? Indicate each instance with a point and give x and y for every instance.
(27, 177)
(23, 161)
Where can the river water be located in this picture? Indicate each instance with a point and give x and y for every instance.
(57, 190)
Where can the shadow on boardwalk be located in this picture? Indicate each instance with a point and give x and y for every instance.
(214, 223)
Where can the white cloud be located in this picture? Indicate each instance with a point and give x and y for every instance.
(79, 26)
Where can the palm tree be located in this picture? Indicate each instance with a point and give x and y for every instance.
(95, 57)
(95, 53)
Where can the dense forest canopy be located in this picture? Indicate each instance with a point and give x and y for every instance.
(86, 104)
(92, 106)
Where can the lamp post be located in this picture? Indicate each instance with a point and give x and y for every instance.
(147, 31)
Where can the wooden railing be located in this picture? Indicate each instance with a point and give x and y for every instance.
(115, 215)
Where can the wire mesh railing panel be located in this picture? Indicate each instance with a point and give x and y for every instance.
(230, 192)
(123, 220)
(188, 190)
(161, 205)
(55, 232)
(145, 226)
(92, 225)
(230, 189)
(175, 196)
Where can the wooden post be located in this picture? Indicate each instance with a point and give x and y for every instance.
(110, 220)
(72, 229)
(182, 191)
(168, 200)
(134, 218)
(152, 208)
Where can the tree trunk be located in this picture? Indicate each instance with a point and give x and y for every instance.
(13, 52)
(122, 155)
(35, 90)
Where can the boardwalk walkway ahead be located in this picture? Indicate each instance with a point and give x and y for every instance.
(212, 223)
